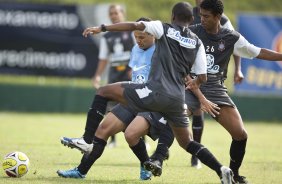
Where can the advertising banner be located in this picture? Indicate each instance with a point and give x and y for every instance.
(46, 40)
(261, 77)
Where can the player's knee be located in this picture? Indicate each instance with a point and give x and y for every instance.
(101, 91)
(244, 134)
(241, 135)
(184, 142)
(130, 137)
(103, 132)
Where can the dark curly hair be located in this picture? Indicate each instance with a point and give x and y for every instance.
(215, 6)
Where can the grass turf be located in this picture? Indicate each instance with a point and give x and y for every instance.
(38, 135)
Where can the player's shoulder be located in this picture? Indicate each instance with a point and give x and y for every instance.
(224, 32)
(224, 19)
(229, 31)
(198, 29)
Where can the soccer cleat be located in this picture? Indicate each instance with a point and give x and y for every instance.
(226, 175)
(158, 156)
(144, 174)
(72, 173)
(240, 180)
(195, 162)
(166, 155)
(77, 143)
(155, 166)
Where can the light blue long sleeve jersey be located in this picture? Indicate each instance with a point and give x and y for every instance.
(140, 62)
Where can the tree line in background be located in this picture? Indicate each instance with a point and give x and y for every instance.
(161, 9)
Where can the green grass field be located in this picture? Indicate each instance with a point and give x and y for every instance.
(38, 135)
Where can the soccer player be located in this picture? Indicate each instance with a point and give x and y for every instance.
(178, 50)
(120, 116)
(198, 115)
(220, 44)
(114, 50)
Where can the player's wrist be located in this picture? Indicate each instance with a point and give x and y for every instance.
(103, 28)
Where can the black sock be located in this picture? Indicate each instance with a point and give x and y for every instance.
(94, 117)
(98, 149)
(197, 127)
(237, 152)
(204, 155)
(166, 139)
(113, 138)
(140, 151)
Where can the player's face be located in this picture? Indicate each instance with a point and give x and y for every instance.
(143, 39)
(116, 15)
(209, 20)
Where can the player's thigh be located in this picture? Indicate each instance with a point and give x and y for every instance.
(182, 135)
(112, 91)
(231, 120)
(137, 128)
(193, 103)
(109, 126)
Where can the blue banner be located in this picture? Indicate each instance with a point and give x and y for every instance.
(261, 77)
(38, 39)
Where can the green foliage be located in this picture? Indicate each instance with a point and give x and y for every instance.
(161, 9)
(38, 135)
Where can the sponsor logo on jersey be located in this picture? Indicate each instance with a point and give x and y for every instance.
(183, 41)
(213, 69)
(140, 79)
(135, 68)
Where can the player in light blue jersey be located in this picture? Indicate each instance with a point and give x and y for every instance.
(140, 62)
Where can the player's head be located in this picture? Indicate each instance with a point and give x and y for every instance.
(116, 13)
(182, 13)
(143, 39)
(211, 12)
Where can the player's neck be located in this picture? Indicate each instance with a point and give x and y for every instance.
(213, 30)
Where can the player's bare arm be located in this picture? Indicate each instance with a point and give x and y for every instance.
(196, 82)
(126, 26)
(238, 75)
(270, 55)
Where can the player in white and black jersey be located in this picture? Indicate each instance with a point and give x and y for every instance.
(220, 44)
(198, 116)
(178, 50)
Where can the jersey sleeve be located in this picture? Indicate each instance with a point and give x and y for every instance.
(154, 27)
(228, 25)
(200, 64)
(245, 49)
(103, 49)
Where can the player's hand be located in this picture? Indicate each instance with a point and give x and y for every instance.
(238, 77)
(191, 84)
(209, 107)
(91, 30)
(96, 82)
